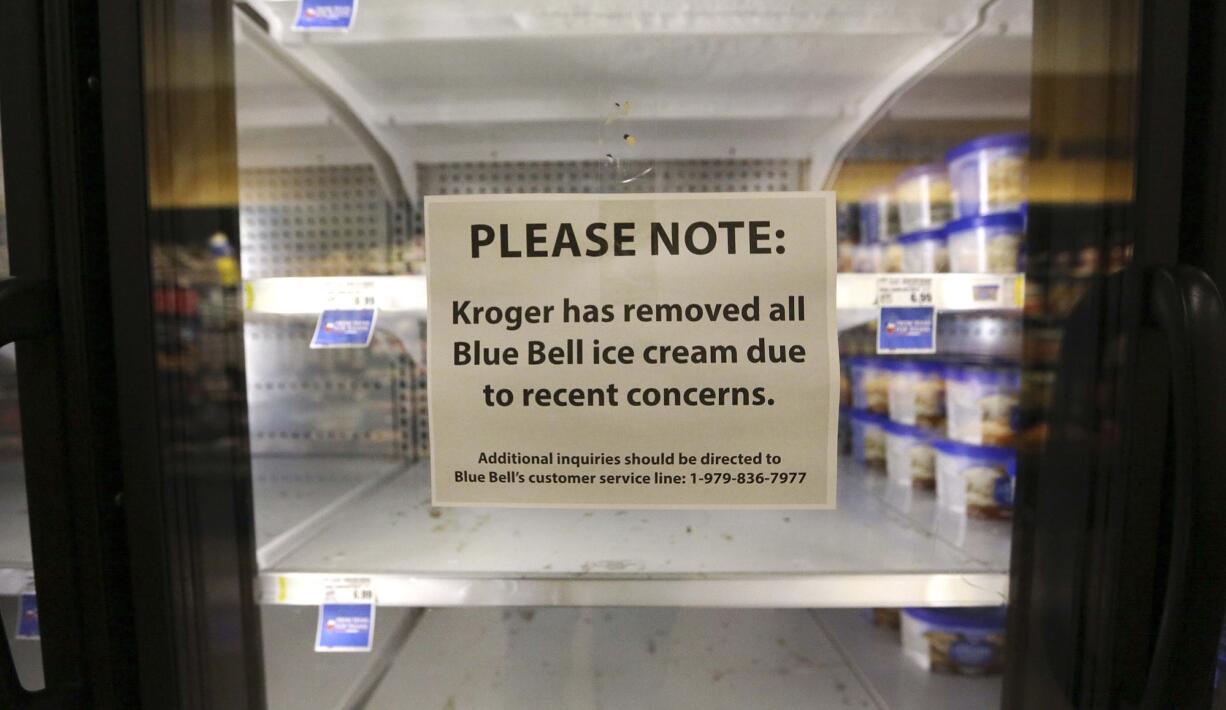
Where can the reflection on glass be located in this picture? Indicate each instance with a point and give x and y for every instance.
(16, 560)
(918, 116)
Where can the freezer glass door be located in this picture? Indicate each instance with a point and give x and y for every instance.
(978, 161)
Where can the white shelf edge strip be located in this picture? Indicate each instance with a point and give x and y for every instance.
(308, 295)
(747, 591)
(14, 579)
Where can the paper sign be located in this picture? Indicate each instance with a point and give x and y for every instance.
(348, 319)
(327, 15)
(633, 350)
(347, 616)
(27, 617)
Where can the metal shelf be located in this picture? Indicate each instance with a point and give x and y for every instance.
(585, 659)
(883, 547)
(688, 658)
(854, 292)
(897, 684)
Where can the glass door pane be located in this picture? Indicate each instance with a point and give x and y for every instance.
(18, 603)
(944, 141)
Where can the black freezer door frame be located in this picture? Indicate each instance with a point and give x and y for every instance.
(1103, 614)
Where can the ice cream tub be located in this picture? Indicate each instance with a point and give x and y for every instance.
(962, 640)
(977, 481)
(868, 438)
(988, 244)
(870, 384)
(878, 216)
(909, 457)
(925, 251)
(923, 195)
(916, 393)
(981, 404)
(988, 174)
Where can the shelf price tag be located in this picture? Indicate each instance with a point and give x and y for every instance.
(27, 613)
(347, 616)
(907, 315)
(325, 15)
(348, 318)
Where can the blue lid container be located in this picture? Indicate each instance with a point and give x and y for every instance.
(1012, 221)
(979, 452)
(996, 377)
(1012, 142)
(926, 367)
(982, 618)
(988, 174)
(937, 169)
(937, 235)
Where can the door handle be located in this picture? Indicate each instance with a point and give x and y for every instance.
(27, 310)
(1185, 305)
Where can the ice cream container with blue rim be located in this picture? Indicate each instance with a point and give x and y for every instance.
(925, 251)
(909, 457)
(923, 194)
(962, 640)
(986, 244)
(878, 216)
(977, 481)
(870, 384)
(981, 404)
(868, 438)
(917, 393)
(988, 174)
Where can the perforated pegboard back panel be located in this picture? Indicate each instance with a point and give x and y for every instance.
(311, 221)
(347, 401)
(318, 221)
(495, 178)
(592, 176)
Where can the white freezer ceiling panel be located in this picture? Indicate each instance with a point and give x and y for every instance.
(382, 20)
(656, 65)
(584, 140)
(441, 80)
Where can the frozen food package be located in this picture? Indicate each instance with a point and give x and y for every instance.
(916, 393)
(868, 438)
(977, 481)
(878, 216)
(988, 244)
(923, 194)
(981, 404)
(910, 459)
(988, 174)
(962, 640)
(870, 384)
(867, 258)
(891, 257)
(925, 251)
(883, 616)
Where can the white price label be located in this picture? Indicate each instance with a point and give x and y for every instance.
(352, 295)
(348, 590)
(904, 291)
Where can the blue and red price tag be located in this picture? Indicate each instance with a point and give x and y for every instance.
(347, 616)
(27, 617)
(907, 319)
(325, 15)
(347, 321)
